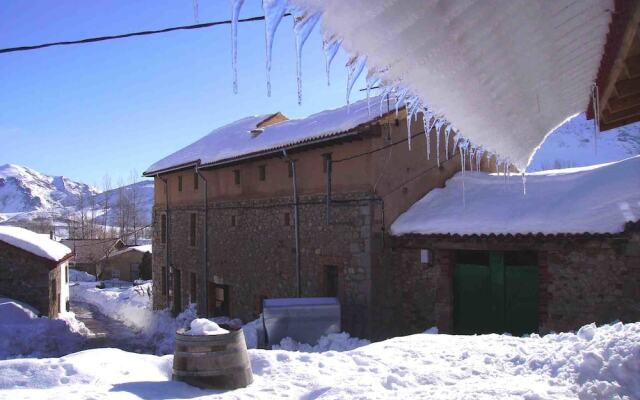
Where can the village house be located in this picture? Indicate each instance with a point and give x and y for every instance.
(88, 252)
(123, 264)
(292, 208)
(34, 270)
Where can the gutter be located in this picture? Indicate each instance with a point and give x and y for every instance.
(206, 244)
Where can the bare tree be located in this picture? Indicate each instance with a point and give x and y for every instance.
(135, 204)
(106, 188)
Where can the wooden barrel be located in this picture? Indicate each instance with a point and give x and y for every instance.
(212, 361)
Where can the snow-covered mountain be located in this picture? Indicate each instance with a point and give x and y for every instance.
(572, 145)
(28, 195)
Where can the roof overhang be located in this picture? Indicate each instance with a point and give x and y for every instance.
(619, 74)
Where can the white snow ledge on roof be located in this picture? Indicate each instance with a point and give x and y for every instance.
(595, 199)
(33, 243)
(504, 72)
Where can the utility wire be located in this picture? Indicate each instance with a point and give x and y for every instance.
(126, 35)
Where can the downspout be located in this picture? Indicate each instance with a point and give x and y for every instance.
(296, 220)
(206, 244)
(166, 253)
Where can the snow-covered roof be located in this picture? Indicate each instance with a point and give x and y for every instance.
(146, 248)
(595, 199)
(503, 72)
(34, 243)
(237, 139)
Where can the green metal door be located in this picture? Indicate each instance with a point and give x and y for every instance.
(495, 292)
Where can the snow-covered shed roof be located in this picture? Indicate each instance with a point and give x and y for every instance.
(145, 248)
(34, 243)
(596, 199)
(244, 138)
(504, 72)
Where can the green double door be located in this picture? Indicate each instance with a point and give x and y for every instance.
(495, 292)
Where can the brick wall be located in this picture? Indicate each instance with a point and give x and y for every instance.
(25, 277)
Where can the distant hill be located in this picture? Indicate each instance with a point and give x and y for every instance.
(572, 145)
(29, 196)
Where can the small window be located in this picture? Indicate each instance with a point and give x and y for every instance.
(326, 158)
(425, 256)
(163, 228)
(66, 274)
(192, 287)
(236, 176)
(287, 219)
(164, 280)
(233, 220)
(331, 281)
(262, 172)
(180, 183)
(192, 229)
(196, 181)
(115, 273)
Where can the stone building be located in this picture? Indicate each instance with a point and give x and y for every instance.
(123, 264)
(293, 208)
(88, 252)
(564, 255)
(34, 270)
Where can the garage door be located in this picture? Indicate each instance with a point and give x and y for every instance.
(495, 292)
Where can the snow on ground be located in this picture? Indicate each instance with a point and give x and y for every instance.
(572, 145)
(80, 276)
(33, 243)
(596, 199)
(22, 333)
(594, 363)
(331, 342)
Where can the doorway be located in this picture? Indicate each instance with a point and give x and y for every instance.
(218, 305)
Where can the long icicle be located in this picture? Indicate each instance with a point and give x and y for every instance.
(236, 5)
(355, 65)
(462, 167)
(273, 10)
(303, 24)
(426, 123)
(329, 48)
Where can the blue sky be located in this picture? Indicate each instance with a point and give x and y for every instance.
(112, 107)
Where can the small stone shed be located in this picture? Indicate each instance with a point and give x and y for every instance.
(123, 264)
(34, 270)
(565, 254)
(88, 252)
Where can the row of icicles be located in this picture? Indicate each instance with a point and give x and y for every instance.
(303, 23)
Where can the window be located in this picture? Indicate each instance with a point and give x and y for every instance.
(287, 219)
(233, 220)
(66, 274)
(236, 176)
(196, 181)
(425, 256)
(192, 229)
(163, 228)
(262, 172)
(115, 274)
(326, 158)
(180, 183)
(164, 280)
(192, 287)
(331, 281)
(134, 271)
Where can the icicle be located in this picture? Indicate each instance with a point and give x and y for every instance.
(412, 107)
(438, 124)
(196, 16)
(447, 132)
(302, 26)
(273, 12)
(479, 153)
(595, 101)
(330, 48)
(355, 65)
(384, 99)
(371, 82)
(455, 142)
(462, 167)
(524, 184)
(236, 5)
(426, 122)
(400, 99)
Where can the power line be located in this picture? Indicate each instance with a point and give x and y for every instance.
(126, 35)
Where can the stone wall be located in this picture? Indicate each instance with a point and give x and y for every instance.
(582, 279)
(256, 257)
(25, 277)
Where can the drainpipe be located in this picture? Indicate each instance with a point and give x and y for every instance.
(296, 220)
(166, 254)
(206, 244)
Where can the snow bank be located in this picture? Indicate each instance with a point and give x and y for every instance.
(33, 243)
(80, 276)
(23, 334)
(332, 342)
(596, 199)
(595, 363)
(203, 326)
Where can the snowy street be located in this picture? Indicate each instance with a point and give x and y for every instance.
(108, 332)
